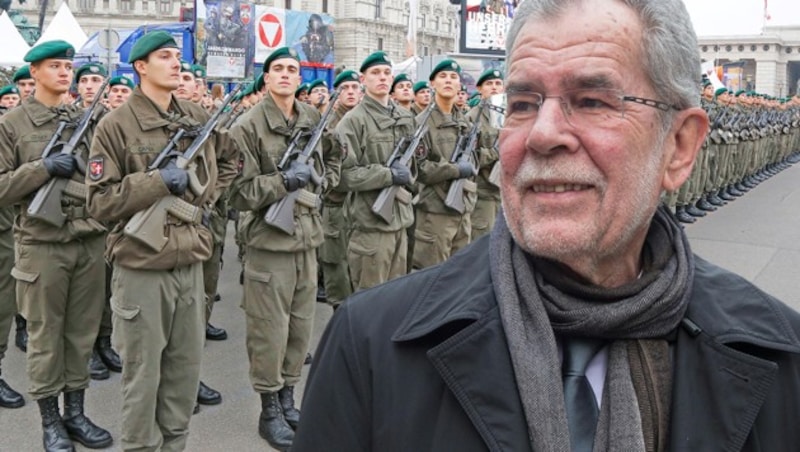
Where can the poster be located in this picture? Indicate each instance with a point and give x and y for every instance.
(310, 34)
(225, 38)
(484, 25)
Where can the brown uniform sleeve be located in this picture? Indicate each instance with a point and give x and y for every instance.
(17, 180)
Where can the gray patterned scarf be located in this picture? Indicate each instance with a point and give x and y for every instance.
(540, 299)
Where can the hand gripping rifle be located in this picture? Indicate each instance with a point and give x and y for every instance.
(403, 152)
(147, 226)
(280, 214)
(46, 203)
(464, 152)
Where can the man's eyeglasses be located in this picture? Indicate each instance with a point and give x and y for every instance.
(589, 107)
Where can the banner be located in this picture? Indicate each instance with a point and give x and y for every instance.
(484, 25)
(310, 34)
(710, 70)
(225, 38)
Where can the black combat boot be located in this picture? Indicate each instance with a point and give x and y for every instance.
(725, 195)
(208, 396)
(682, 216)
(79, 427)
(692, 210)
(55, 437)
(97, 370)
(21, 338)
(733, 191)
(290, 413)
(107, 354)
(271, 424)
(10, 398)
(215, 334)
(703, 204)
(715, 200)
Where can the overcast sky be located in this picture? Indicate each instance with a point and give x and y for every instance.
(740, 17)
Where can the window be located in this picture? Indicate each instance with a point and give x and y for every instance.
(105, 5)
(324, 6)
(165, 7)
(439, 51)
(425, 50)
(436, 23)
(380, 43)
(145, 5)
(125, 5)
(378, 9)
(86, 5)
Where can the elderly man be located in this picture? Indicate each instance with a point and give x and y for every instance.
(467, 355)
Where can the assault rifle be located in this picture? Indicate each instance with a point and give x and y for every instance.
(402, 152)
(46, 203)
(280, 214)
(464, 152)
(147, 226)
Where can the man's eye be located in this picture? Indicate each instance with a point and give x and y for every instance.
(520, 106)
(589, 101)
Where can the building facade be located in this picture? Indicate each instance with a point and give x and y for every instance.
(361, 27)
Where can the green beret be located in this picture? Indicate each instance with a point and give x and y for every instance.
(248, 89)
(420, 85)
(303, 87)
(445, 65)
(58, 49)
(475, 95)
(199, 71)
(150, 42)
(399, 78)
(283, 52)
(706, 82)
(91, 69)
(22, 73)
(259, 83)
(316, 83)
(376, 59)
(187, 67)
(739, 93)
(121, 80)
(8, 89)
(346, 76)
(489, 74)
(463, 88)
(474, 101)
(720, 91)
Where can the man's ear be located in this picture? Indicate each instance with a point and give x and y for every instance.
(688, 132)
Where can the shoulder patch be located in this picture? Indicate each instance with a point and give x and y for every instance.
(95, 169)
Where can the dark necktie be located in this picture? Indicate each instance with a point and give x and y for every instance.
(579, 399)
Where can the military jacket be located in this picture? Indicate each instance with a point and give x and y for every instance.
(126, 141)
(369, 133)
(486, 153)
(436, 172)
(262, 136)
(336, 195)
(24, 134)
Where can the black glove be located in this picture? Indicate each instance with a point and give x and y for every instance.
(401, 175)
(465, 169)
(297, 176)
(176, 179)
(60, 165)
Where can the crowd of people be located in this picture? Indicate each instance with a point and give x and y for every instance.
(340, 189)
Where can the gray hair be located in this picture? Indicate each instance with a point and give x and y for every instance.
(669, 43)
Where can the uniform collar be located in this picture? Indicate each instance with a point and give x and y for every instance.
(148, 114)
(40, 114)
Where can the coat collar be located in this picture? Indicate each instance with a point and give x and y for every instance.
(304, 116)
(40, 114)
(148, 114)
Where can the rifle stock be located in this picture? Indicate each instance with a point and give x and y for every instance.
(463, 152)
(280, 214)
(383, 206)
(46, 203)
(148, 226)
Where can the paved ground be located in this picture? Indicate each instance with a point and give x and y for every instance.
(757, 236)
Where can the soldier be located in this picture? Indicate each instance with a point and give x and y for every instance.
(158, 293)
(201, 88)
(422, 96)
(280, 267)
(186, 86)
(119, 89)
(333, 251)
(377, 249)
(90, 78)
(302, 93)
(402, 91)
(461, 100)
(58, 268)
(440, 230)
(489, 83)
(9, 97)
(318, 94)
(25, 83)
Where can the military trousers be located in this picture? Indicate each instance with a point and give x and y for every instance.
(376, 257)
(280, 291)
(8, 297)
(106, 326)
(482, 218)
(211, 269)
(59, 292)
(438, 236)
(333, 254)
(159, 333)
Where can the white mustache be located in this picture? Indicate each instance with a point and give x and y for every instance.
(530, 172)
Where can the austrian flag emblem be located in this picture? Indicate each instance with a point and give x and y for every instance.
(96, 168)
